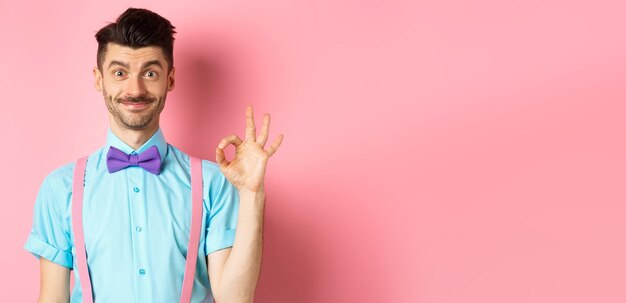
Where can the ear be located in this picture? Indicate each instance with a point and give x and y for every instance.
(97, 79)
(171, 80)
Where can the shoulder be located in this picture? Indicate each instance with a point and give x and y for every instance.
(55, 191)
(60, 179)
(216, 184)
(57, 185)
(211, 174)
(213, 178)
(211, 169)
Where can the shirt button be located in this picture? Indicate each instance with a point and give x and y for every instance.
(142, 272)
(136, 189)
(139, 228)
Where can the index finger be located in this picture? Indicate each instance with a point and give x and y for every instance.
(250, 127)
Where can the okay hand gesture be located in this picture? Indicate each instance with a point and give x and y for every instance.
(247, 170)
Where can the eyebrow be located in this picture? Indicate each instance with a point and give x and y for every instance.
(126, 65)
(120, 63)
(153, 62)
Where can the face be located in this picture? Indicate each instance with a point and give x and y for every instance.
(134, 83)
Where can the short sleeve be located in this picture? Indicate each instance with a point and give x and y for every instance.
(223, 207)
(50, 237)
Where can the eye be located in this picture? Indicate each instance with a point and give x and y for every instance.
(119, 73)
(151, 74)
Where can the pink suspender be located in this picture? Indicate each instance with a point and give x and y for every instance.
(194, 235)
(77, 225)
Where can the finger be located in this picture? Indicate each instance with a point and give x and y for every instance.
(274, 147)
(232, 139)
(250, 128)
(220, 158)
(265, 129)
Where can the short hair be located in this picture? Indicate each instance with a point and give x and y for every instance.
(136, 28)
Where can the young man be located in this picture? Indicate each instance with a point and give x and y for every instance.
(136, 218)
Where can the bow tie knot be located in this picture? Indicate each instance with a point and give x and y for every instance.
(150, 160)
(133, 160)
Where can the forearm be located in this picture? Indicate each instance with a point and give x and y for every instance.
(241, 271)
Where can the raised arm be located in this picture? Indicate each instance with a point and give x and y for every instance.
(234, 272)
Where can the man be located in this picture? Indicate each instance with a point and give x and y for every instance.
(136, 220)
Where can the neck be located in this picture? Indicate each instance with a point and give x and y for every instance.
(135, 138)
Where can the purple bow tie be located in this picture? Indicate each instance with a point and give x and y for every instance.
(149, 160)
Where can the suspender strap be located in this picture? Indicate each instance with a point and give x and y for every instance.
(77, 225)
(196, 223)
(194, 234)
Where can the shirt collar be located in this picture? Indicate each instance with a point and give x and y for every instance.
(157, 139)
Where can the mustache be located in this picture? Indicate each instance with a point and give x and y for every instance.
(140, 99)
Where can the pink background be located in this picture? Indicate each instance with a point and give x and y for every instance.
(435, 151)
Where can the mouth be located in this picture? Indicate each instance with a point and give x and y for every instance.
(136, 104)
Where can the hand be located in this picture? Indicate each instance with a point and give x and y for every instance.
(247, 170)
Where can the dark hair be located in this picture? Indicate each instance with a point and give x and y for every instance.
(135, 28)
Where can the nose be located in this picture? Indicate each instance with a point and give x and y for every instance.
(135, 86)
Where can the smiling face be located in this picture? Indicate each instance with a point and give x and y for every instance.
(134, 83)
